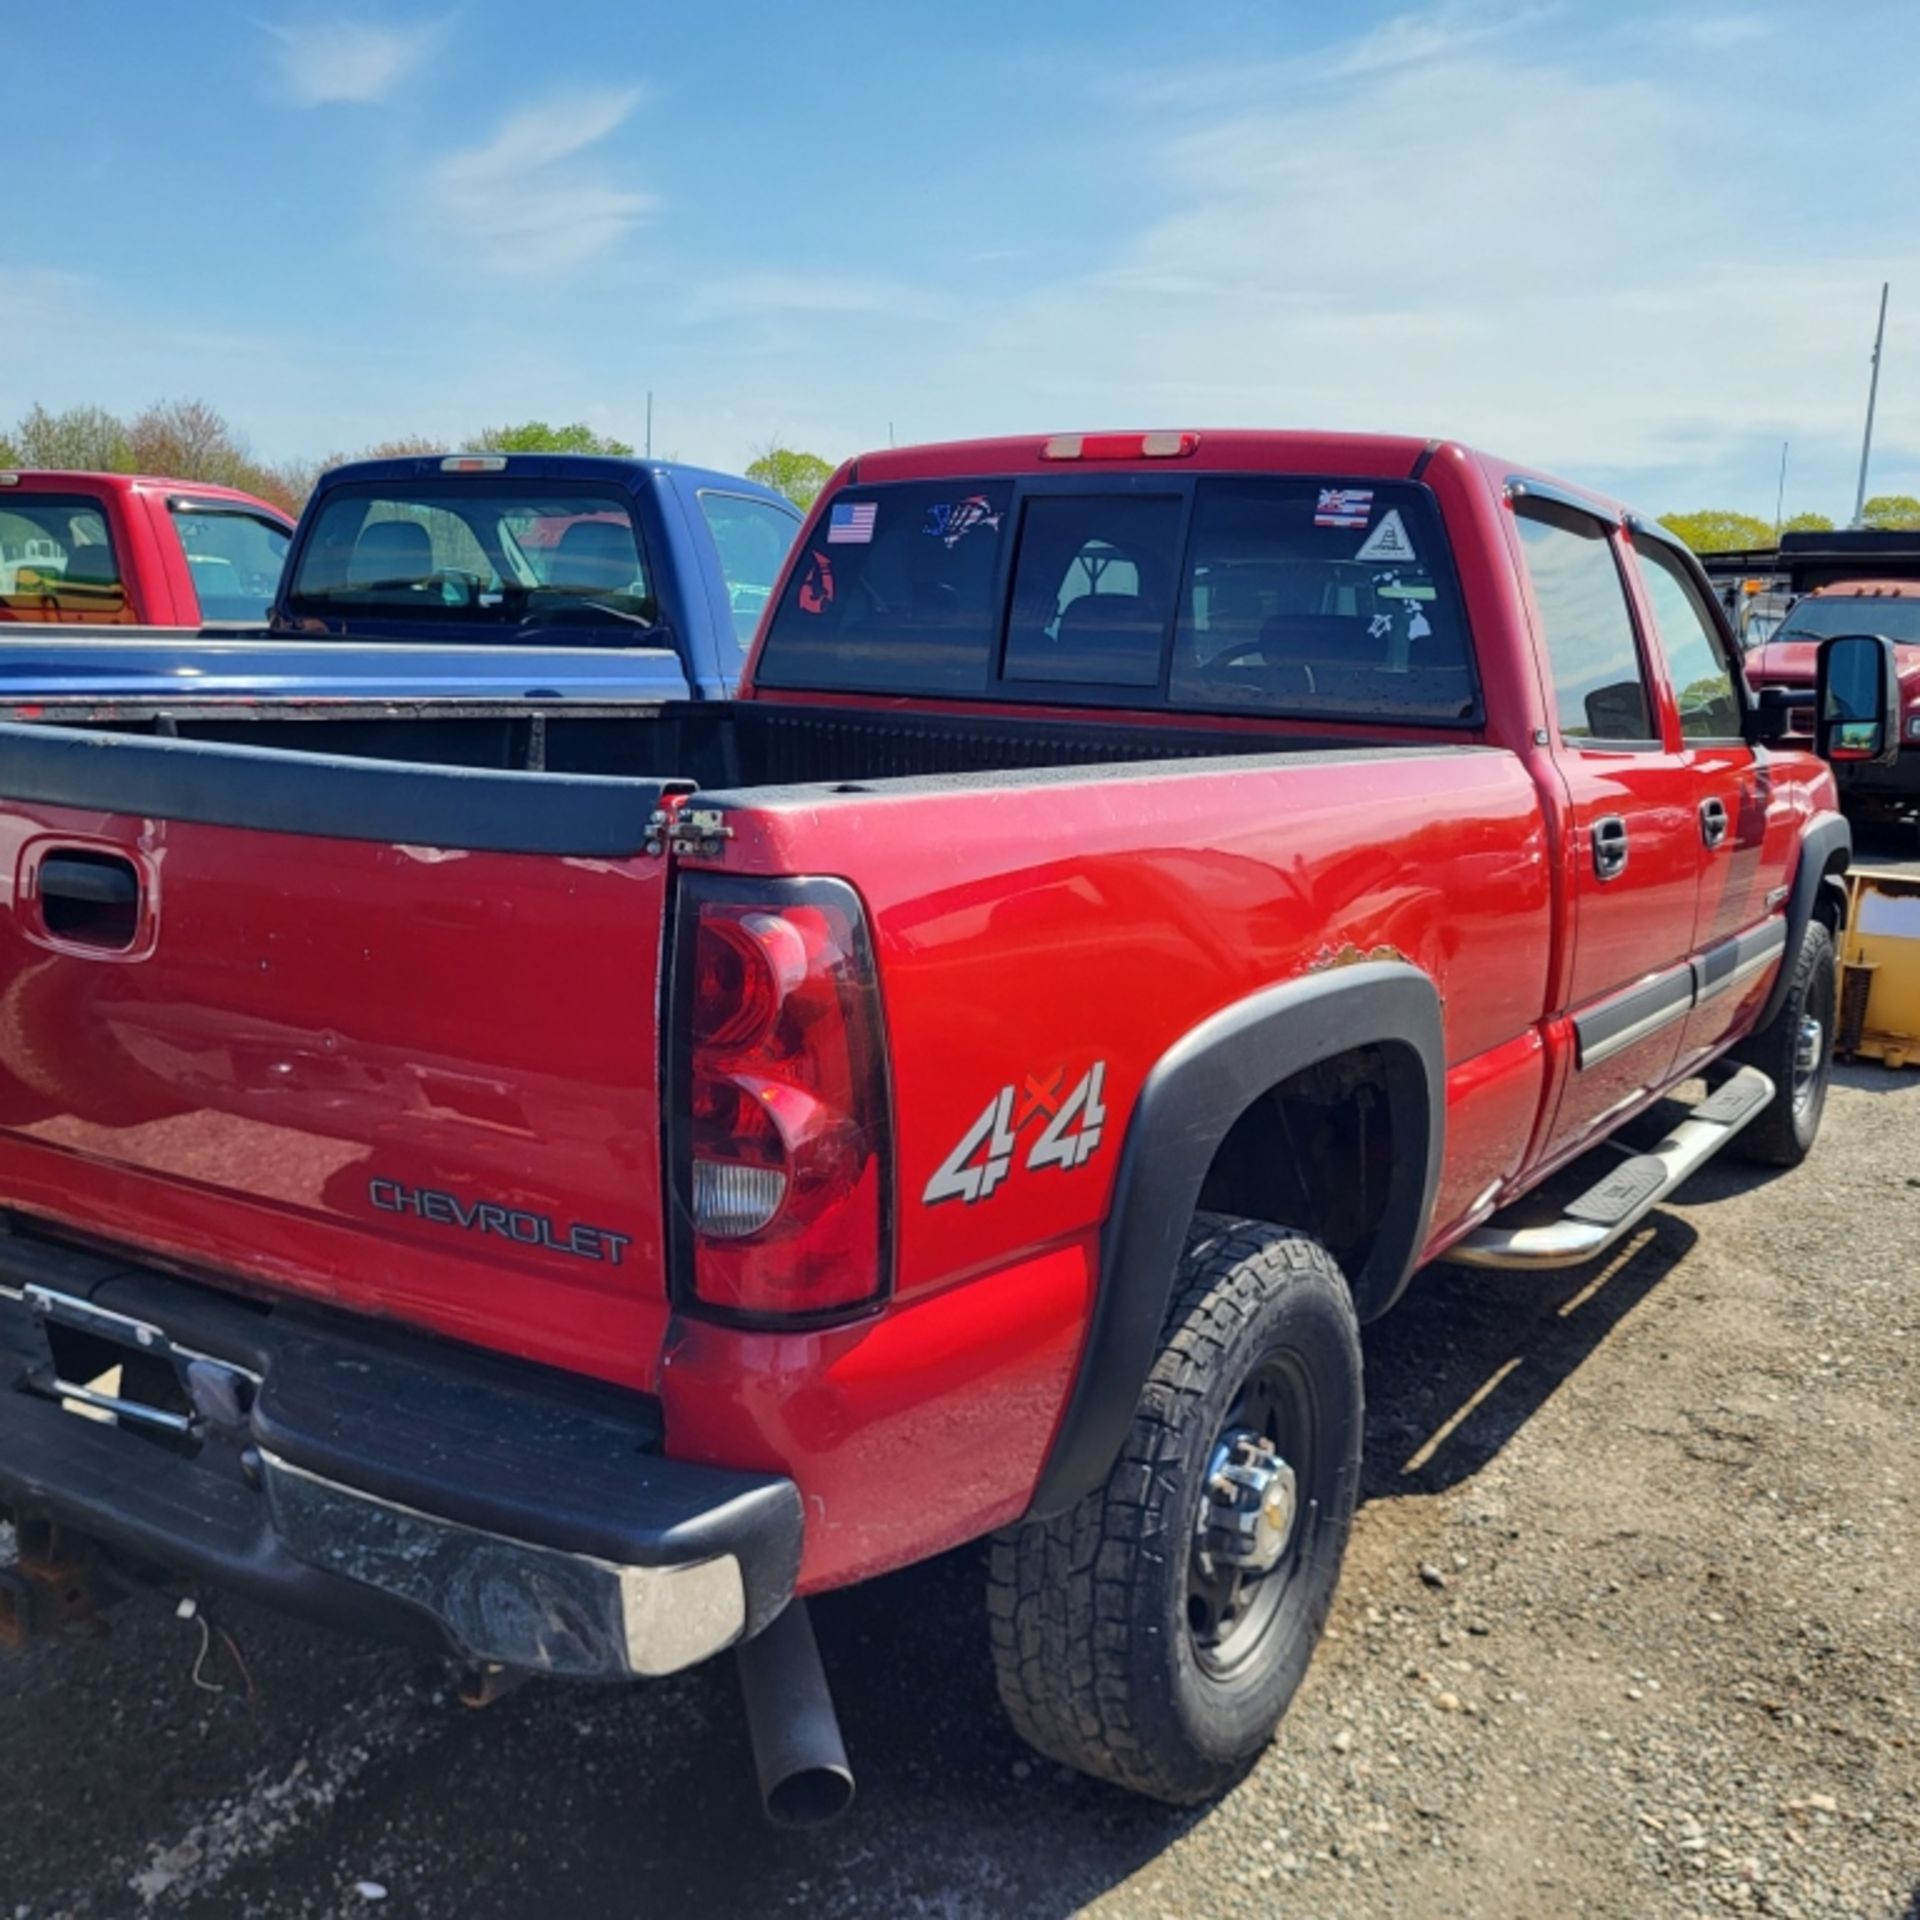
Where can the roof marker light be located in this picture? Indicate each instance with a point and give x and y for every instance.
(9, 479)
(1119, 446)
(474, 463)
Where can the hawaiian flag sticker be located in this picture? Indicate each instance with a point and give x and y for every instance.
(1344, 507)
(852, 525)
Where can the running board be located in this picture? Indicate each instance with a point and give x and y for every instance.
(1614, 1206)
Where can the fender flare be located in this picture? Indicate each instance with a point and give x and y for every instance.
(1826, 852)
(1187, 1105)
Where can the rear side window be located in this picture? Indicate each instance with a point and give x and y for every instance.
(1696, 660)
(752, 538)
(57, 560)
(1599, 684)
(1313, 599)
(896, 592)
(1296, 595)
(235, 560)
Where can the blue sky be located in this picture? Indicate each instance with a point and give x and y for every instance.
(1641, 245)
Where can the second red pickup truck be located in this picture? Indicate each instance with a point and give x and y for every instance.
(120, 549)
(1153, 894)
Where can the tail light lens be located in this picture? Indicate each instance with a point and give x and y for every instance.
(781, 1153)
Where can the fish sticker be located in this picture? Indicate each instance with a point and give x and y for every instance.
(951, 522)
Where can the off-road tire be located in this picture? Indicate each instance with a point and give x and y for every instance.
(1088, 1611)
(1784, 1134)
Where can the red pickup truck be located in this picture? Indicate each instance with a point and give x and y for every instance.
(1153, 893)
(121, 549)
(1886, 791)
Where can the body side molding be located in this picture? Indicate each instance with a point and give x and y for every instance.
(1191, 1099)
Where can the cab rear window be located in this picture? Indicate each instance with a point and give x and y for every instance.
(1317, 597)
(516, 556)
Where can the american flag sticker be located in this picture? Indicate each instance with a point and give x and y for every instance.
(852, 526)
(1344, 507)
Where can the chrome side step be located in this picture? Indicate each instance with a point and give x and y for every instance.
(1615, 1205)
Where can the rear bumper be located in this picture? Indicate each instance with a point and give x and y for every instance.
(386, 1483)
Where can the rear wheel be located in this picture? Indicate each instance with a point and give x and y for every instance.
(1795, 1051)
(1154, 1634)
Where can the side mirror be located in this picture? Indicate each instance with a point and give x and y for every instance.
(1857, 700)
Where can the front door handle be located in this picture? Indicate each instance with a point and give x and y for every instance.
(1609, 847)
(1713, 821)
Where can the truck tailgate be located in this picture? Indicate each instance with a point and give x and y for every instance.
(376, 1033)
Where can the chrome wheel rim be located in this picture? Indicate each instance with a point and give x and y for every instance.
(1252, 1517)
(1810, 1045)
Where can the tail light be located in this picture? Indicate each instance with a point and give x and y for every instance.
(781, 1151)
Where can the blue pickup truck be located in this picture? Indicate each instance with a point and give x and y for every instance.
(459, 577)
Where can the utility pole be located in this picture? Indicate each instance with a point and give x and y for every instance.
(649, 423)
(1780, 498)
(1873, 395)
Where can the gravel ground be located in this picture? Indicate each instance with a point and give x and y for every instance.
(1631, 1626)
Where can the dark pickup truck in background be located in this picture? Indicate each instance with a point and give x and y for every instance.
(1152, 894)
(463, 577)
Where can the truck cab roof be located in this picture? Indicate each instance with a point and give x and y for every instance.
(621, 469)
(1217, 450)
(68, 479)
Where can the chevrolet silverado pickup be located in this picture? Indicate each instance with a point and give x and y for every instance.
(1152, 893)
(476, 578)
(118, 550)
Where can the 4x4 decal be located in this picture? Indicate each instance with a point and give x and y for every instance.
(984, 1157)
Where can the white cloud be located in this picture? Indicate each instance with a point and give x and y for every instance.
(531, 202)
(1715, 32)
(1544, 253)
(323, 61)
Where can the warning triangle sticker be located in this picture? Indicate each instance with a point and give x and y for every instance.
(1388, 541)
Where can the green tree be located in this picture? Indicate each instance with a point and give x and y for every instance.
(1719, 530)
(1891, 512)
(800, 476)
(88, 439)
(535, 436)
(1807, 523)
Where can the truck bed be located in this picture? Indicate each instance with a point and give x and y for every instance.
(382, 1026)
(730, 745)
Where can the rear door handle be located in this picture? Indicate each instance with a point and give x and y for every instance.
(90, 898)
(1609, 847)
(1713, 821)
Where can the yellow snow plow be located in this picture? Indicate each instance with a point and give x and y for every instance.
(1880, 968)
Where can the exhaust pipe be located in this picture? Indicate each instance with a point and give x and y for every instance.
(797, 1750)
